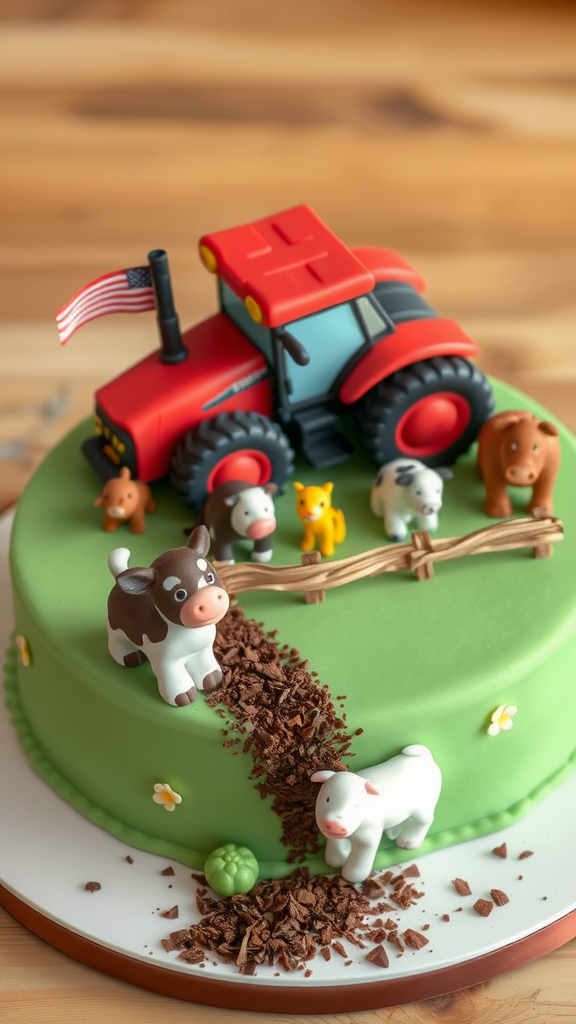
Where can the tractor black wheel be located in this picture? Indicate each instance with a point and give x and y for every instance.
(431, 411)
(232, 446)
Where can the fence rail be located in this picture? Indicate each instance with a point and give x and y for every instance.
(313, 577)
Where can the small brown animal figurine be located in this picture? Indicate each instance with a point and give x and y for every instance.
(125, 501)
(516, 449)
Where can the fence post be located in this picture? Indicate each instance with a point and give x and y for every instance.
(541, 550)
(422, 541)
(312, 596)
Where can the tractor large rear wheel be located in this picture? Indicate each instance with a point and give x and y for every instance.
(431, 411)
(233, 446)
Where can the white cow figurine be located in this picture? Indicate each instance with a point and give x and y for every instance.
(397, 797)
(406, 489)
(168, 614)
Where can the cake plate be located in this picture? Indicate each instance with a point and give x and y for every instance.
(49, 852)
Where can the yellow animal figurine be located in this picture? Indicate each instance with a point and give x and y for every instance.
(314, 506)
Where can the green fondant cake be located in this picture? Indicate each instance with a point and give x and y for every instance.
(418, 662)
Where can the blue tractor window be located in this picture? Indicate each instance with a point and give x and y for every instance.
(331, 338)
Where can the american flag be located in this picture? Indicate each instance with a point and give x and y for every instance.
(123, 291)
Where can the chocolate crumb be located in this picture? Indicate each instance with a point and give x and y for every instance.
(129, 859)
(425, 927)
(92, 886)
(168, 871)
(347, 964)
(378, 957)
(445, 917)
(526, 853)
(520, 877)
(201, 879)
(171, 914)
(308, 973)
(462, 887)
(544, 897)
(499, 897)
(415, 939)
(325, 952)
(411, 872)
(483, 907)
(458, 910)
(339, 949)
(501, 851)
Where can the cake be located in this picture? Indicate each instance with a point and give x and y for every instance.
(382, 663)
(476, 664)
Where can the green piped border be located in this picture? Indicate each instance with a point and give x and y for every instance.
(268, 869)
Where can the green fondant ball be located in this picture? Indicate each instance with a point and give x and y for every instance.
(231, 870)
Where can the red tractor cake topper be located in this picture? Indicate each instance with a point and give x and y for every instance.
(307, 329)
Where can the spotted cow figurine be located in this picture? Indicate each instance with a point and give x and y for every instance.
(406, 489)
(236, 511)
(517, 449)
(168, 614)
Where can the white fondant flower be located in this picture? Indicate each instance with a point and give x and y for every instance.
(164, 794)
(501, 719)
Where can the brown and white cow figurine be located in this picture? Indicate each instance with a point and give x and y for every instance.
(237, 511)
(168, 614)
(125, 501)
(516, 449)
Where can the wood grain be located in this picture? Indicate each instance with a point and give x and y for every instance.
(443, 129)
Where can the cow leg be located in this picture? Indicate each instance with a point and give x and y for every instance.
(337, 852)
(394, 832)
(262, 551)
(223, 552)
(394, 526)
(428, 522)
(414, 831)
(204, 670)
(123, 650)
(361, 859)
(174, 682)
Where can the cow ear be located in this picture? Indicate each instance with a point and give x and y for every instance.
(404, 479)
(444, 473)
(98, 502)
(231, 500)
(124, 473)
(136, 581)
(510, 421)
(298, 486)
(371, 788)
(548, 428)
(271, 488)
(321, 776)
(199, 541)
(328, 488)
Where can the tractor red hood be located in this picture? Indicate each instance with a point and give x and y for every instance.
(156, 403)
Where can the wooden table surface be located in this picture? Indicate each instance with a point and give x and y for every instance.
(442, 129)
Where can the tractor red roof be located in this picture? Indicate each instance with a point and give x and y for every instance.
(290, 264)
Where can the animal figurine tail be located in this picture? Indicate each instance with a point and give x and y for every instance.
(118, 561)
(339, 526)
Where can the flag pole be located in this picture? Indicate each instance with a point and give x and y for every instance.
(172, 350)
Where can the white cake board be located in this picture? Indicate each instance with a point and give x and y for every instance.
(49, 851)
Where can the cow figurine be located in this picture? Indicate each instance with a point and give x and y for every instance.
(516, 449)
(406, 489)
(125, 501)
(236, 511)
(353, 810)
(168, 614)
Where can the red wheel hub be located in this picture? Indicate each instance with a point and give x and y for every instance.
(247, 464)
(432, 424)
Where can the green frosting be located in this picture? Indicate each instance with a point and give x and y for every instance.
(231, 870)
(419, 662)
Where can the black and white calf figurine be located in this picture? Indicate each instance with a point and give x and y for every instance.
(168, 614)
(236, 511)
(406, 489)
(397, 797)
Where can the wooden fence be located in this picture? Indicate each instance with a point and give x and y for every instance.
(314, 577)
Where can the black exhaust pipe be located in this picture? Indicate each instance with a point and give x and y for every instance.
(172, 348)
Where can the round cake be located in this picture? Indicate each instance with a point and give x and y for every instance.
(382, 663)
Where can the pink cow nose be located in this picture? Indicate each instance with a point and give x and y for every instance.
(207, 606)
(261, 528)
(521, 475)
(333, 828)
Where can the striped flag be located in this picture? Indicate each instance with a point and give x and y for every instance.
(123, 291)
